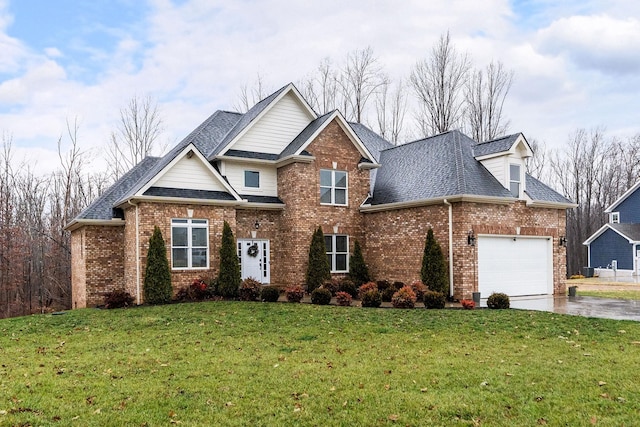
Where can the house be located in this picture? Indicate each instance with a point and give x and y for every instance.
(280, 170)
(615, 247)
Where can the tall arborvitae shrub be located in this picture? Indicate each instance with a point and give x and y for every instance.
(358, 270)
(157, 279)
(434, 267)
(229, 278)
(318, 269)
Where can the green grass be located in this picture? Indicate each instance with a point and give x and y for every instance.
(628, 295)
(232, 363)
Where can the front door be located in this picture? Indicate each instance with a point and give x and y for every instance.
(253, 255)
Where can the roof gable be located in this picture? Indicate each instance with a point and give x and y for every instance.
(631, 232)
(515, 144)
(622, 198)
(269, 125)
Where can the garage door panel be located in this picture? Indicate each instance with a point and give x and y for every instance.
(520, 266)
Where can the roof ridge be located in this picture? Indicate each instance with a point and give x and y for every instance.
(420, 140)
(460, 169)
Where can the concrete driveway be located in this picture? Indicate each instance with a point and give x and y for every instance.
(606, 308)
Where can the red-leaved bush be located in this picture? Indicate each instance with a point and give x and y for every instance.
(343, 299)
(467, 304)
(294, 293)
(404, 298)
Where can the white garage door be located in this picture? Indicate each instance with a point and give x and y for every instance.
(514, 266)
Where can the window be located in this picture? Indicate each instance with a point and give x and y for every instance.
(333, 187)
(252, 179)
(614, 217)
(189, 243)
(337, 252)
(514, 180)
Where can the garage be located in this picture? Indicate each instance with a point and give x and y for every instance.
(515, 265)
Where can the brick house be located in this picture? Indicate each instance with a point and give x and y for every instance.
(278, 171)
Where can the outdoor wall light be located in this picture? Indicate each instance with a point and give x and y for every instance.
(563, 241)
(471, 239)
(256, 225)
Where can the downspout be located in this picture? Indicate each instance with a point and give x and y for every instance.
(446, 202)
(138, 301)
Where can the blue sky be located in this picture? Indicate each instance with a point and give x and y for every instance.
(576, 63)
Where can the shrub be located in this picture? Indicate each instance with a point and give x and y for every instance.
(318, 269)
(370, 286)
(332, 285)
(467, 304)
(434, 268)
(404, 298)
(371, 298)
(433, 299)
(383, 284)
(250, 289)
(321, 296)
(229, 277)
(419, 289)
(157, 279)
(387, 294)
(498, 300)
(343, 299)
(397, 285)
(294, 293)
(358, 270)
(198, 290)
(349, 287)
(118, 299)
(270, 294)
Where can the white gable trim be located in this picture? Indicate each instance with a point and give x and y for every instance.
(289, 89)
(622, 198)
(189, 148)
(512, 150)
(342, 122)
(602, 229)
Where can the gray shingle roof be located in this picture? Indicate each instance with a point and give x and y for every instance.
(251, 155)
(244, 121)
(101, 208)
(303, 136)
(494, 146)
(374, 142)
(188, 193)
(631, 231)
(539, 191)
(439, 166)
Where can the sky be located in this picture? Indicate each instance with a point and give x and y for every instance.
(576, 62)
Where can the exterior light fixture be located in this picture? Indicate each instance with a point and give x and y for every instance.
(563, 241)
(256, 225)
(471, 239)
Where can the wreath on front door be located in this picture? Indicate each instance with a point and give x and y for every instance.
(253, 250)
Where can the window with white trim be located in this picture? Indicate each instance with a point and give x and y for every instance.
(189, 243)
(333, 187)
(614, 217)
(252, 179)
(514, 179)
(337, 252)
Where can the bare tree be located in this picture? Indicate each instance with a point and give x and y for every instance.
(391, 110)
(361, 77)
(537, 164)
(485, 93)
(135, 136)
(251, 95)
(438, 82)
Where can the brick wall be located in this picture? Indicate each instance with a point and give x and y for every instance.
(97, 259)
(299, 189)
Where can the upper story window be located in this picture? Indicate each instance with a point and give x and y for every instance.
(337, 252)
(189, 243)
(614, 217)
(333, 187)
(515, 180)
(252, 179)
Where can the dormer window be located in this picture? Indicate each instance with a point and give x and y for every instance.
(614, 217)
(514, 180)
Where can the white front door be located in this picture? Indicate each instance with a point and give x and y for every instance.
(253, 255)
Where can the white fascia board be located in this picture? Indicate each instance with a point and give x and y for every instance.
(601, 230)
(234, 159)
(183, 200)
(438, 200)
(290, 88)
(551, 205)
(77, 223)
(263, 206)
(179, 157)
(294, 159)
(365, 166)
(622, 198)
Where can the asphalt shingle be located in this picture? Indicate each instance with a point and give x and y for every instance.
(498, 145)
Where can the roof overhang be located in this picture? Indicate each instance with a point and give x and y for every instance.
(520, 141)
(78, 223)
(550, 205)
(174, 200)
(436, 201)
(368, 166)
(604, 228)
(262, 206)
(277, 163)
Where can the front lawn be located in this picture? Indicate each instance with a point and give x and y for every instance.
(628, 295)
(233, 363)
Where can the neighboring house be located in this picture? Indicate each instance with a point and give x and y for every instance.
(278, 171)
(615, 247)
